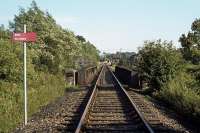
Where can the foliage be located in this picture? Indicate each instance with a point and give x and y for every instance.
(89, 55)
(157, 62)
(194, 70)
(55, 50)
(10, 64)
(43, 89)
(120, 58)
(81, 38)
(4, 33)
(126, 59)
(181, 95)
(191, 43)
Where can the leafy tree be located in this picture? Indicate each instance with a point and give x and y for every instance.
(157, 62)
(4, 33)
(10, 64)
(56, 48)
(81, 38)
(191, 43)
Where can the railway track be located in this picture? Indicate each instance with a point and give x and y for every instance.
(71, 118)
(103, 107)
(60, 116)
(150, 116)
(110, 108)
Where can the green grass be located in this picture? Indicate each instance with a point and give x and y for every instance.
(41, 90)
(182, 95)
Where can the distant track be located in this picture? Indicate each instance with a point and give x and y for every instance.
(110, 108)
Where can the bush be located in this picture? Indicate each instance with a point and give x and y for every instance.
(181, 96)
(43, 89)
(194, 70)
(55, 50)
(158, 62)
(10, 64)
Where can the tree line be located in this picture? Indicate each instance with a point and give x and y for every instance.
(56, 48)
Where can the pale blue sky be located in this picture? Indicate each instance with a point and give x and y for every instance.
(115, 24)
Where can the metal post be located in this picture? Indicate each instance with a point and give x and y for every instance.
(25, 85)
(74, 73)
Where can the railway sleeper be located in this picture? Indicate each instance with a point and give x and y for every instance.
(112, 118)
(114, 127)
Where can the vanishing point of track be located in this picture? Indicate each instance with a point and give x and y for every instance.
(110, 108)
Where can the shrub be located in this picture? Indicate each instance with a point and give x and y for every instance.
(10, 64)
(158, 62)
(180, 95)
(56, 49)
(194, 70)
(43, 89)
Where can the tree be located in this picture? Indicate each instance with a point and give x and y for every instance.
(81, 38)
(157, 62)
(191, 43)
(10, 64)
(56, 48)
(4, 33)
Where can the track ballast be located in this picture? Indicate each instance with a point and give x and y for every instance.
(110, 108)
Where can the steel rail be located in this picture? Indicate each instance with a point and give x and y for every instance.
(148, 127)
(92, 96)
(81, 122)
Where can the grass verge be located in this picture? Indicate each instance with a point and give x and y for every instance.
(181, 94)
(42, 89)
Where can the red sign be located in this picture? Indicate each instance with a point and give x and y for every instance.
(24, 37)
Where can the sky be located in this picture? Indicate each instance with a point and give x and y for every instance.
(116, 25)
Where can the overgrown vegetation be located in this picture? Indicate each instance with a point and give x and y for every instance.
(43, 89)
(172, 74)
(158, 62)
(182, 94)
(120, 58)
(191, 43)
(55, 50)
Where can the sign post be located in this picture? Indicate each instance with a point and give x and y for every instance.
(24, 37)
(74, 74)
(25, 85)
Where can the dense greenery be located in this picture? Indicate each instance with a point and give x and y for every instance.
(120, 58)
(55, 50)
(173, 75)
(157, 62)
(42, 89)
(191, 43)
(182, 94)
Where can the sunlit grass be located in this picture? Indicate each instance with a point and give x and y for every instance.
(181, 93)
(41, 91)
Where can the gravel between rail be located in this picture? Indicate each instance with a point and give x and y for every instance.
(166, 117)
(59, 116)
(63, 114)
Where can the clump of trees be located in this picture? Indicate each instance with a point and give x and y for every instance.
(55, 50)
(158, 62)
(120, 58)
